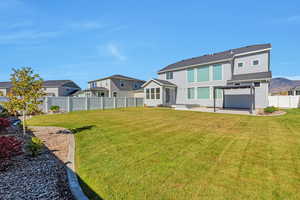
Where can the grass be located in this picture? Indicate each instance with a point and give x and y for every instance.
(158, 153)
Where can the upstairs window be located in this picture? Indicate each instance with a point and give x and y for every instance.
(255, 62)
(240, 64)
(217, 72)
(191, 75)
(169, 75)
(203, 74)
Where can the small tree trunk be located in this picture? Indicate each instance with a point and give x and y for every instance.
(24, 125)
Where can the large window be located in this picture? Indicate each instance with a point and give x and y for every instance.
(152, 93)
(219, 93)
(297, 92)
(217, 72)
(191, 75)
(157, 93)
(147, 93)
(203, 93)
(169, 75)
(203, 74)
(191, 93)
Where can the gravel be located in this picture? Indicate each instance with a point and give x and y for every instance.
(43, 177)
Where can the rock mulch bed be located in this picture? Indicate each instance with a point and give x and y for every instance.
(43, 177)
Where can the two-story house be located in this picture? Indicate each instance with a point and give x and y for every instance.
(236, 78)
(50, 87)
(113, 86)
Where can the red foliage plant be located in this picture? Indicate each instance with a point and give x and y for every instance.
(4, 123)
(9, 147)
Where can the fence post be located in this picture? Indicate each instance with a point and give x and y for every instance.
(135, 102)
(86, 103)
(102, 102)
(69, 104)
(46, 105)
(125, 102)
(115, 102)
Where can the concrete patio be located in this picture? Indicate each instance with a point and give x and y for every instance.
(218, 110)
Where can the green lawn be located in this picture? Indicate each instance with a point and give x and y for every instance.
(158, 153)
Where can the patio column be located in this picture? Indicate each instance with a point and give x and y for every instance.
(214, 95)
(251, 100)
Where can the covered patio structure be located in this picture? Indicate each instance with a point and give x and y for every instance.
(230, 87)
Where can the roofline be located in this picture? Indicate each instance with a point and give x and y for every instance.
(109, 77)
(145, 84)
(212, 62)
(247, 80)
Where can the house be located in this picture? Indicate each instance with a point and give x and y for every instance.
(295, 91)
(113, 86)
(50, 87)
(236, 78)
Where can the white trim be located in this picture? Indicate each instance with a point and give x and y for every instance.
(250, 52)
(157, 82)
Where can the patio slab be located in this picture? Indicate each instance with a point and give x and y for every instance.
(218, 110)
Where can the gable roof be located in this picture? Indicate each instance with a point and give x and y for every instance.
(159, 82)
(216, 57)
(118, 76)
(47, 84)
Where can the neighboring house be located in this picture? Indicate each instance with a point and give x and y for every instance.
(295, 91)
(240, 78)
(113, 86)
(284, 86)
(51, 87)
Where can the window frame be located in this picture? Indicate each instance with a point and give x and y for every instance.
(194, 77)
(209, 93)
(147, 93)
(253, 60)
(188, 93)
(213, 74)
(199, 72)
(169, 75)
(157, 94)
(152, 93)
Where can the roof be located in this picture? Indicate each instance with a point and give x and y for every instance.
(216, 57)
(118, 76)
(160, 82)
(252, 76)
(49, 83)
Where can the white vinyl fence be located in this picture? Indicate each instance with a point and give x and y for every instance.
(285, 101)
(68, 104)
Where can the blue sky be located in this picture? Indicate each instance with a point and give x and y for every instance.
(85, 40)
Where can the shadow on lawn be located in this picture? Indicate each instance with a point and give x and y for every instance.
(89, 192)
(83, 128)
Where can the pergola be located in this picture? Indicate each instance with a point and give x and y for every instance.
(229, 87)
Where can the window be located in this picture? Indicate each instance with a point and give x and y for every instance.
(255, 62)
(191, 75)
(157, 93)
(290, 93)
(191, 93)
(147, 93)
(169, 75)
(237, 84)
(102, 94)
(121, 83)
(152, 93)
(203, 93)
(203, 74)
(219, 93)
(114, 94)
(217, 72)
(297, 92)
(93, 84)
(240, 64)
(257, 84)
(136, 86)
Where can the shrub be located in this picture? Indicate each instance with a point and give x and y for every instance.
(4, 123)
(270, 109)
(54, 108)
(3, 112)
(9, 147)
(34, 146)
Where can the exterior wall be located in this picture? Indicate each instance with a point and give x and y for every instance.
(180, 79)
(153, 102)
(139, 94)
(4, 91)
(248, 68)
(52, 91)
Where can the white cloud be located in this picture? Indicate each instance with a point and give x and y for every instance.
(23, 36)
(114, 51)
(88, 25)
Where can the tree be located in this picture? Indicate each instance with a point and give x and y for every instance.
(25, 94)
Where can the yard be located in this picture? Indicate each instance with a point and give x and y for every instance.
(158, 153)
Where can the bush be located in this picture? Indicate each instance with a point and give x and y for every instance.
(54, 108)
(4, 123)
(270, 109)
(34, 146)
(3, 112)
(9, 147)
